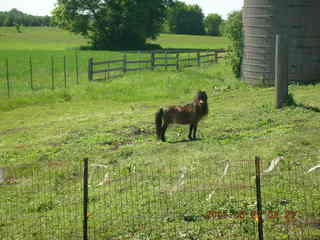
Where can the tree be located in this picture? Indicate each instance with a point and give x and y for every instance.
(233, 31)
(112, 24)
(185, 19)
(8, 21)
(15, 17)
(2, 18)
(212, 24)
(221, 27)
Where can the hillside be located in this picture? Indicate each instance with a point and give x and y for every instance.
(140, 188)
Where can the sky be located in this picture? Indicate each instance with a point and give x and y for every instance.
(44, 7)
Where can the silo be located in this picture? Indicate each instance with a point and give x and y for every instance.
(263, 19)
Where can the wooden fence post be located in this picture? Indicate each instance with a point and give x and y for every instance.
(152, 60)
(281, 70)
(198, 59)
(166, 61)
(124, 63)
(216, 56)
(108, 71)
(177, 62)
(90, 69)
(259, 199)
(85, 198)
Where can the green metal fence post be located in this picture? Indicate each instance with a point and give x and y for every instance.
(31, 73)
(65, 71)
(77, 68)
(7, 76)
(52, 73)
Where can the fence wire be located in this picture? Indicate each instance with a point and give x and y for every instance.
(41, 202)
(204, 199)
(170, 202)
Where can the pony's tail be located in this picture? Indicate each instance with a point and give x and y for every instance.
(158, 122)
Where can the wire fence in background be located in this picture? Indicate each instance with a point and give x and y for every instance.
(21, 75)
(166, 200)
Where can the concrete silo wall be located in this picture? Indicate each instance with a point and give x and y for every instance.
(263, 19)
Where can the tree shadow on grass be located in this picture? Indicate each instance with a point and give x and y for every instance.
(145, 47)
(292, 103)
(310, 108)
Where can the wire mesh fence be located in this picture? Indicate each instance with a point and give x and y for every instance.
(291, 200)
(41, 202)
(20, 75)
(167, 200)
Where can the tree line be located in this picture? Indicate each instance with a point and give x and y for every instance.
(182, 18)
(127, 24)
(16, 18)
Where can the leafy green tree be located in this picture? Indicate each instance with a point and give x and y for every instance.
(212, 24)
(233, 31)
(112, 24)
(185, 19)
(222, 27)
(2, 18)
(8, 21)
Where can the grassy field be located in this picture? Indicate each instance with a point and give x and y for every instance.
(46, 45)
(140, 188)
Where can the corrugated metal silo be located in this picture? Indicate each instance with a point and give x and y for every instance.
(300, 20)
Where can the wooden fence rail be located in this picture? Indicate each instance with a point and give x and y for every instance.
(173, 59)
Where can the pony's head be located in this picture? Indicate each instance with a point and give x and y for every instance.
(201, 97)
(202, 100)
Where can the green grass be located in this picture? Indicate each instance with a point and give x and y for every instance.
(112, 124)
(54, 39)
(39, 38)
(157, 190)
(44, 45)
(190, 41)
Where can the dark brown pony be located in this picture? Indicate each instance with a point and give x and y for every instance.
(191, 114)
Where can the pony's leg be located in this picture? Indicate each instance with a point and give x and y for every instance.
(190, 131)
(163, 132)
(195, 130)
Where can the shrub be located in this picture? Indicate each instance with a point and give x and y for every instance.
(233, 31)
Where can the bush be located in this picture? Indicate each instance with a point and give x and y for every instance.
(232, 30)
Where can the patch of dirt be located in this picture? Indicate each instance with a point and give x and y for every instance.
(55, 164)
(136, 131)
